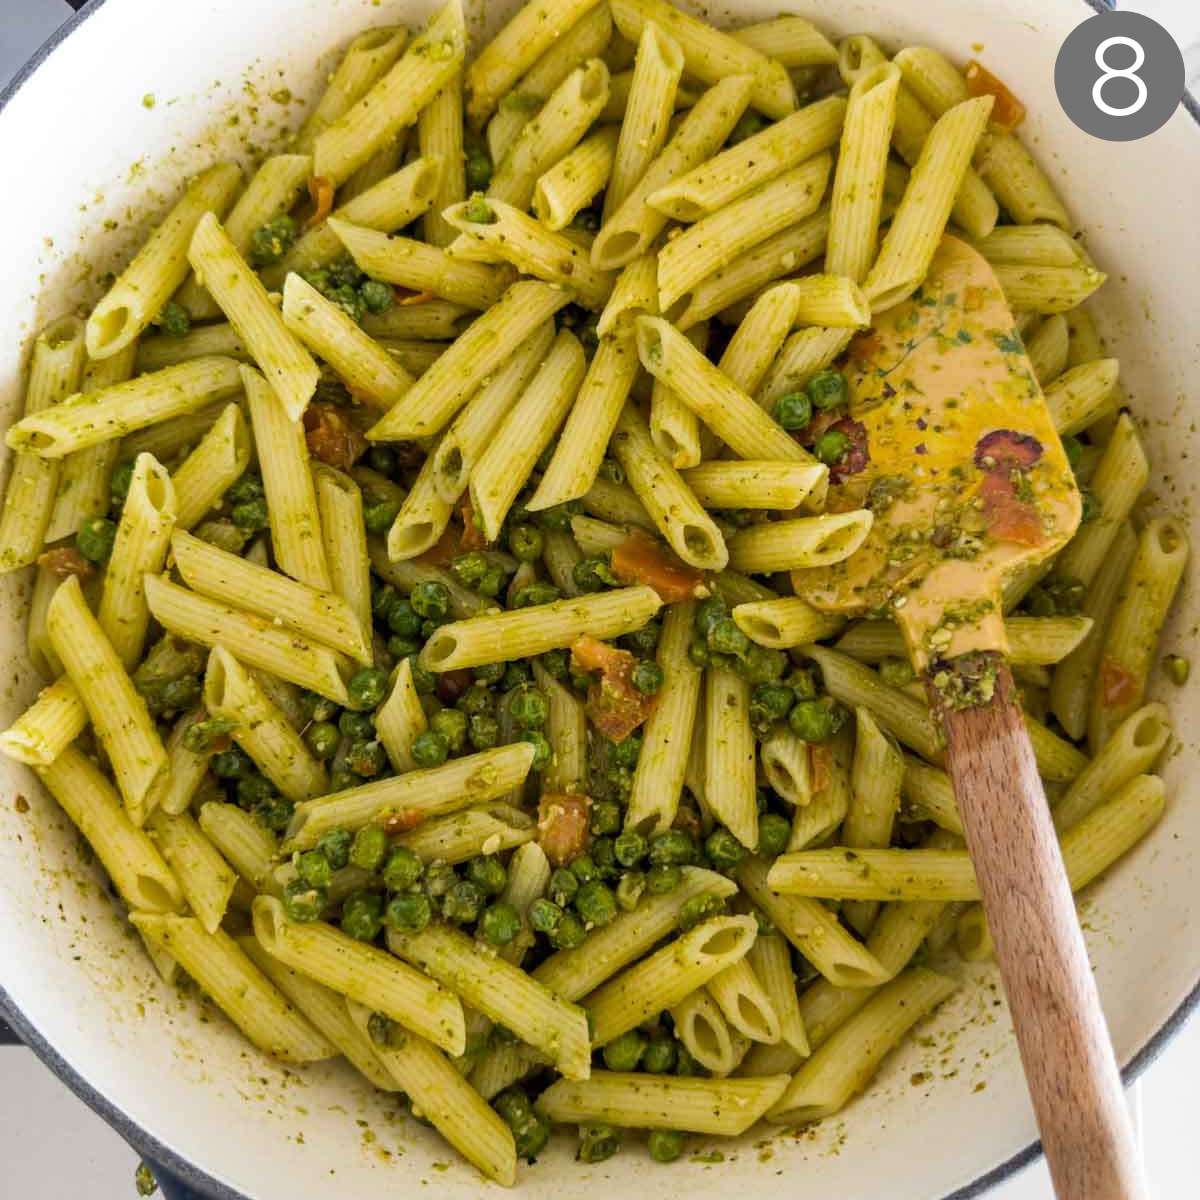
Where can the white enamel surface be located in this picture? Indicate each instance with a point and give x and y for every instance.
(82, 149)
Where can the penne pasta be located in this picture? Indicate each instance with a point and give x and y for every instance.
(362, 972)
(526, 431)
(392, 104)
(541, 627)
(458, 784)
(160, 266)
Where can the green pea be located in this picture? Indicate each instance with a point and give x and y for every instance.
(469, 568)
(367, 687)
(118, 485)
(368, 848)
(383, 459)
(595, 903)
(629, 848)
(564, 883)
(665, 1145)
(1073, 448)
(827, 389)
(439, 879)
(629, 890)
(625, 753)
(569, 934)
(174, 320)
(379, 515)
(584, 868)
(597, 1143)
(593, 575)
(773, 833)
(476, 699)
(514, 1108)
(698, 654)
(313, 868)
(463, 903)
(424, 680)
(499, 924)
(541, 747)
(581, 681)
(526, 543)
(488, 874)
(430, 599)
(270, 242)
(724, 637)
(772, 701)
(531, 1139)
(528, 707)
(248, 486)
(816, 720)
(362, 915)
(793, 411)
(95, 539)
(663, 878)
(254, 789)
(401, 647)
(493, 581)
(250, 516)
(699, 908)
(544, 915)
(605, 858)
(515, 674)
(831, 447)
(709, 612)
(723, 850)
(558, 516)
(452, 725)
(478, 170)
(659, 1058)
(322, 739)
(402, 869)
(347, 298)
(555, 663)
(605, 818)
(761, 665)
(685, 1064)
(302, 902)
(341, 778)
(534, 594)
(383, 1031)
(180, 693)
(430, 749)
(229, 764)
(672, 847)
(647, 677)
(490, 673)
(643, 641)
(409, 911)
(376, 295)
(335, 845)
(625, 1052)
(484, 731)
(356, 725)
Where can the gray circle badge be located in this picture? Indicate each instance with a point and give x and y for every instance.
(1119, 76)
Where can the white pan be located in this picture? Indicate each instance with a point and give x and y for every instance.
(78, 148)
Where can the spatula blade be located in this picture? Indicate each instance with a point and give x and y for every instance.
(954, 451)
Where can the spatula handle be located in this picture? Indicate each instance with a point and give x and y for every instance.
(1068, 1056)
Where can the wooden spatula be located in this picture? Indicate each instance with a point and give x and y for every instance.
(953, 449)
